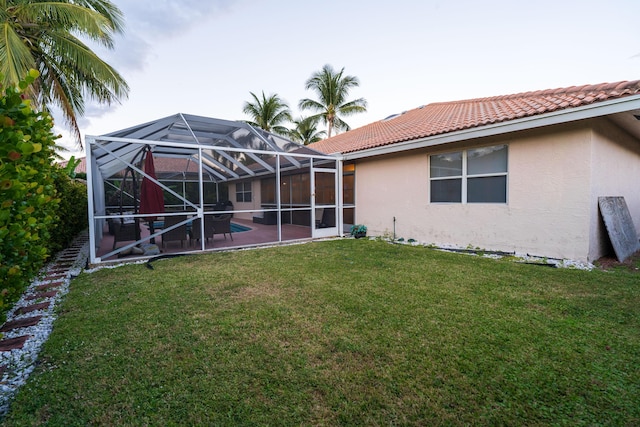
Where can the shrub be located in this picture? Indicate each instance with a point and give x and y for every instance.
(72, 211)
(28, 195)
(358, 230)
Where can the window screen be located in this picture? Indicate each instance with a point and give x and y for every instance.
(243, 192)
(470, 176)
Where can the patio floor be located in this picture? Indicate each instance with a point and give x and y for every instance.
(259, 234)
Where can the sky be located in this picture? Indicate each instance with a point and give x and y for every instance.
(204, 57)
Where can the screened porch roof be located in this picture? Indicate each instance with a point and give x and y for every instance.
(230, 150)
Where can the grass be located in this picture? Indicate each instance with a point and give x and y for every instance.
(347, 332)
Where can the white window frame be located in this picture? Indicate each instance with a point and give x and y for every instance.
(244, 191)
(465, 176)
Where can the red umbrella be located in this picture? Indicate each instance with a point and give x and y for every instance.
(151, 197)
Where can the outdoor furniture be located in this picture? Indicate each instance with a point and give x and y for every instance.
(222, 225)
(328, 218)
(223, 206)
(196, 232)
(177, 234)
(124, 231)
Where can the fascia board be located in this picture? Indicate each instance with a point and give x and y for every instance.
(557, 117)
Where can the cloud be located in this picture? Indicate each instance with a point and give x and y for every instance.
(130, 53)
(149, 21)
(168, 17)
(94, 111)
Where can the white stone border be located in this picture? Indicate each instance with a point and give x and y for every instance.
(19, 363)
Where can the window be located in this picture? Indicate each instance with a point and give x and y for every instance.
(470, 176)
(268, 190)
(243, 192)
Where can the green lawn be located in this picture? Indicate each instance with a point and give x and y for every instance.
(345, 332)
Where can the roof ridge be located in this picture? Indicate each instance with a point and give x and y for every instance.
(618, 88)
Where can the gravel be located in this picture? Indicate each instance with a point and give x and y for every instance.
(19, 363)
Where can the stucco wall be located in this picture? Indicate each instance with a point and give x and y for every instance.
(547, 213)
(253, 204)
(616, 172)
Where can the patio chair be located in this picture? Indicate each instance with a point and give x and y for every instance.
(222, 225)
(328, 218)
(178, 233)
(124, 231)
(208, 228)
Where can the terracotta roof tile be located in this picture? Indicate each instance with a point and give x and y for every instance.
(444, 117)
(175, 164)
(81, 168)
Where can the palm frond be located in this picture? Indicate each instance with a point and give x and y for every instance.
(268, 113)
(306, 131)
(310, 104)
(106, 9)
(353, 107)
(281, 130)
(46, 35)
(340, 125)
(15, 57)
(99, 80)
(249, 122)
(35, 17)
(332, 90)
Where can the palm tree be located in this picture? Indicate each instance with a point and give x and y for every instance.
(44, 35)
(268, 113)
(332, 89)
(306, 131)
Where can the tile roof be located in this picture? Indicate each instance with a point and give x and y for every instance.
(162, 164)
(175, 165)
(444, 117)
(80, 168)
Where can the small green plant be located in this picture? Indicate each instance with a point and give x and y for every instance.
(385, 236)
(70, 168)
(358, 230)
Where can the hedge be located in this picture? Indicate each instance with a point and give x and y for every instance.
(31, 193)
(72, 211)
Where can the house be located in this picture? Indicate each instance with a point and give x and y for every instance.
(519, 173)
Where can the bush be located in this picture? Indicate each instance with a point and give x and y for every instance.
(28, 195)
(72, 211)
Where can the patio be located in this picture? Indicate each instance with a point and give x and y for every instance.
(257, 234)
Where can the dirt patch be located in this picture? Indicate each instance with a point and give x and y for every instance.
(611, 263)
(251, 292)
